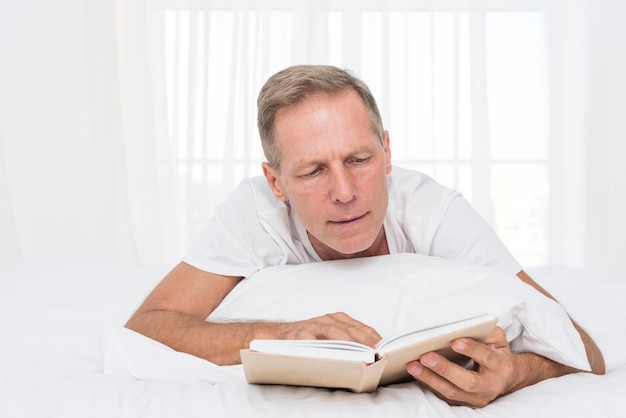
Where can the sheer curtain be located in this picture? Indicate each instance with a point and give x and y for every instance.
(426, 62)
(588, 135)
(123, 124)
(78, 175)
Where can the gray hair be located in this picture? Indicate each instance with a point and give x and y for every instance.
(293, 85)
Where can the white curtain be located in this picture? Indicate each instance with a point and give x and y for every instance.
(123, 124)
(79, 138)
(588, 135)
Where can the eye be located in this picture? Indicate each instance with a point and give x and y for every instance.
(312, 173)
(361, 160)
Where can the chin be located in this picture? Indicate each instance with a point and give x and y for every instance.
(355, 250)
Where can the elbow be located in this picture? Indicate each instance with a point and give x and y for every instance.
(596, 362)
(598, 367)
(138, 323)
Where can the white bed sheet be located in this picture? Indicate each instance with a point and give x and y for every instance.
(56, 319)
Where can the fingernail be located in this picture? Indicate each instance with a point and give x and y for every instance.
(460, 345)
(428, 361)
(415, 369)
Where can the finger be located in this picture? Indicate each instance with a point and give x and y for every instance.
(357, 330)
(359, 327)
(441, 387)
(452, 374)
(483, 354)
(340, 326)
(458, 385)
(497, 338)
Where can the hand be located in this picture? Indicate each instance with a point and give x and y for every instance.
(495, 367)
(335, 326)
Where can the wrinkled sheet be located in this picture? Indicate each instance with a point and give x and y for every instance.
(57, 320)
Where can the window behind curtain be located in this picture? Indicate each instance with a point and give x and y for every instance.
(463, 94)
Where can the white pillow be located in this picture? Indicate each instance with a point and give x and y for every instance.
(401, 291)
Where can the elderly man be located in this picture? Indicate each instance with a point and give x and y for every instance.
(329, 192)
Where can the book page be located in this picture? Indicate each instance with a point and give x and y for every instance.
(329, 349)
(409, 337)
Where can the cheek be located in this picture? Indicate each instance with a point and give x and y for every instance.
(308, 212)
(312, 207)
(373, 180)
(302, 198)
(374, 189)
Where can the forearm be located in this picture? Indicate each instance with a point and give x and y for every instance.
(594, 355)
(220, 342)
(217, 342)
(533, 368)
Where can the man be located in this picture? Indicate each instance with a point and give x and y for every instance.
(329, 192)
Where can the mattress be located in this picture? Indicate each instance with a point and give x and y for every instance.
(59, 322)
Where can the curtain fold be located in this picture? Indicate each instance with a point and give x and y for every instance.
(9, 244)
(605, 145)
(149, 184)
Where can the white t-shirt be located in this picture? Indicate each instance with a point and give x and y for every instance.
(252, 230)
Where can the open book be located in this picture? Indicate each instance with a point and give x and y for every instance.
(354, 366)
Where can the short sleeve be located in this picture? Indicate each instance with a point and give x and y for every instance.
(249, 231)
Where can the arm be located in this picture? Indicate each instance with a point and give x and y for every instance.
(594, 355)
(175, 311)
(497, 371)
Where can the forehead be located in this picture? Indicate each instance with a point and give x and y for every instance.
(322, 122)
(347, 100)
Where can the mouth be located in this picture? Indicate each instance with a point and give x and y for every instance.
(348, 221)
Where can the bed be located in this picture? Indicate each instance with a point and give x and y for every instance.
(63, 353)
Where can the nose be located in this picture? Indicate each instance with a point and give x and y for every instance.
(343, 187)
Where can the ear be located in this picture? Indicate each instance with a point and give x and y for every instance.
(387, 149)
(273, 180)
